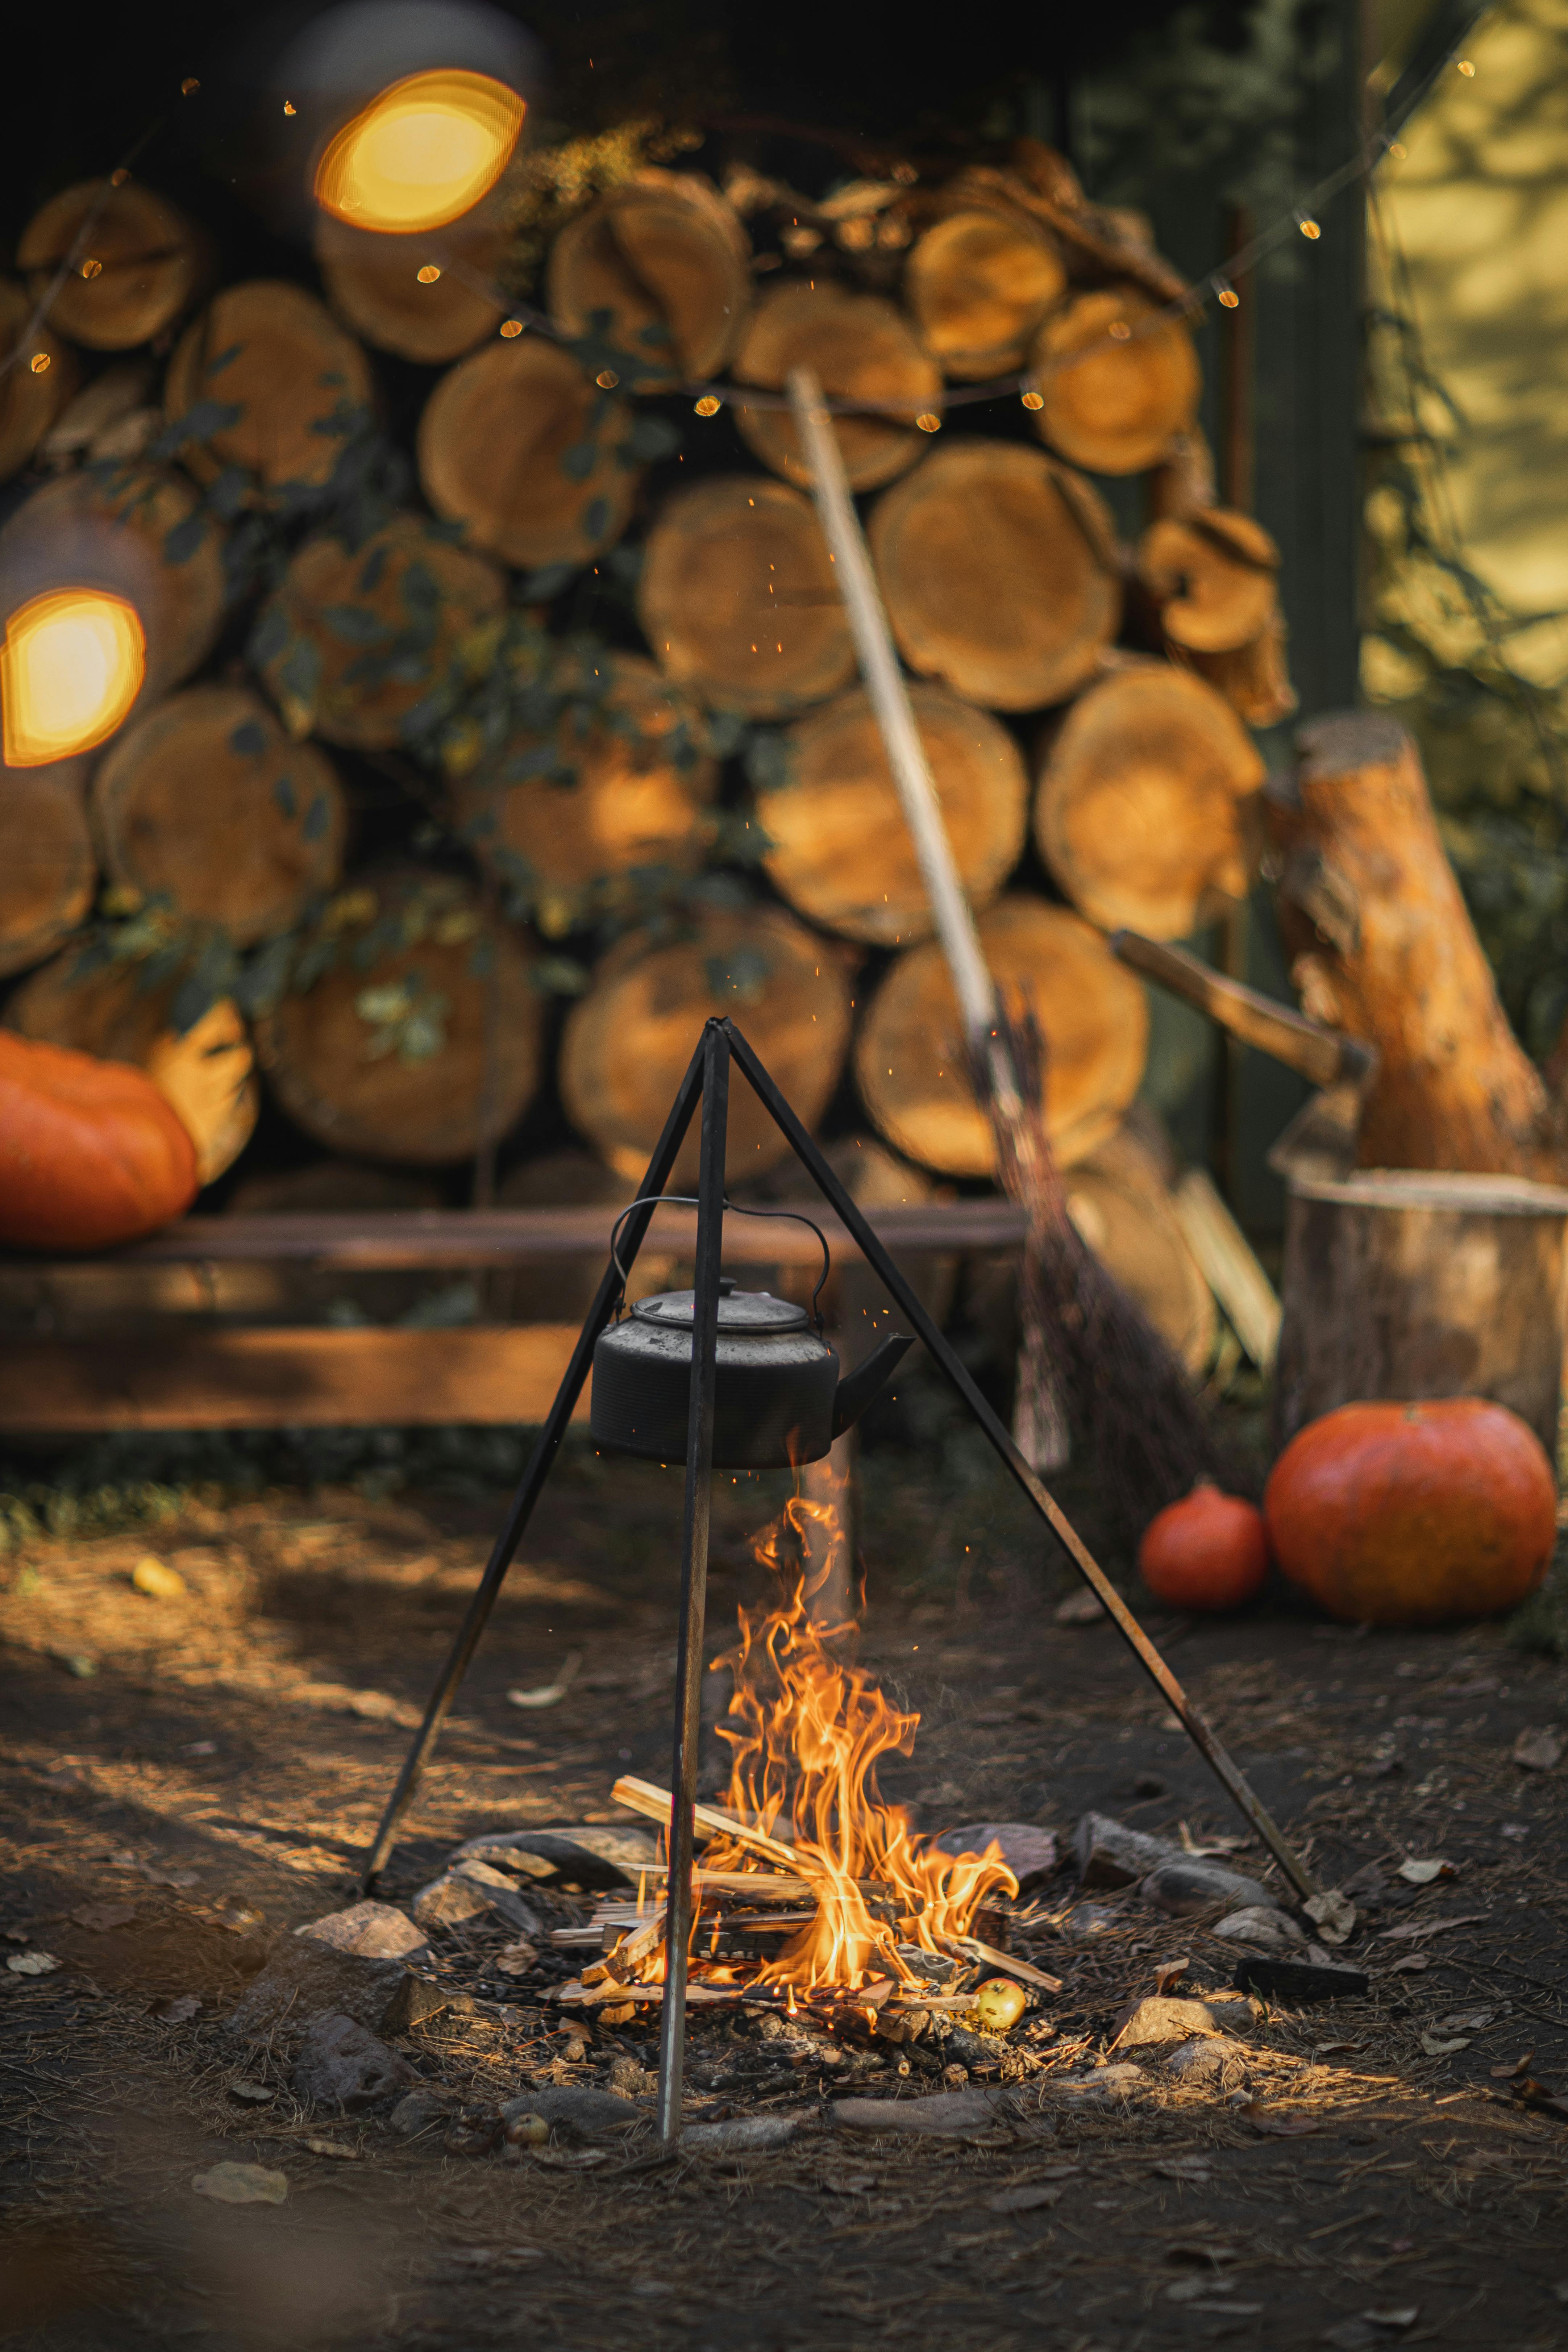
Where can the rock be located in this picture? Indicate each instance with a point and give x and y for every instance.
(1208, 2063)
(1265, 1929)
(576, 2108)
(1029, 1853)
(1164, 2017)
(971, 2050)
(304, 1977)
(241, 2184)
(415, 2003)
(1085, 1608)
(1187, 1888)
(343, 2065)
(1308, 1980)
(1105, 2086)
(1108, 1853)
(630, 2079)
(1332, 1914)
(375, 1931)
(470, 1891)
(596, 1858)
(474, 2130)
(1538, 1750)
(1086, 1920)
(744, 2135)
(948, 2112)
(415, 2113)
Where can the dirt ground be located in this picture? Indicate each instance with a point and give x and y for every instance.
(182, 1780)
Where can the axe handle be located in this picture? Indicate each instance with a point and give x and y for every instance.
(1322, 1055)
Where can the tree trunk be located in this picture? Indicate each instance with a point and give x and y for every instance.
(278, 356)
(518, 446)
(207, 804)
(668, 260)
(1000, 573)
(48, 869)
(1404, 1285)
(1091, 1014)
(1211, 577)
(115, 532)
(979, 282)
(739, 601)
(1114, 403)
(627, 792)
(430, 297)
(142, 263)
(859, 347)
(208, 1074)
(1383, 948)
(384, 1056)
(1144, 813)
(627, 1041)
(30, 397)
(841, 851)
(425, 616)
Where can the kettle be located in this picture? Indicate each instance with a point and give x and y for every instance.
(777, 1397)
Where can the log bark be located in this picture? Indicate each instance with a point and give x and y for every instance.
(627, 1041)
(1121, 1206)
(1405, 1285)
(426, 616)
(842, 853)
(278, 355)
(206, 1073)
(30, 399)
(141, 264)
(1213, 578)
(860, 347)
(1255, 679)
(560, 1290)
(531, 456)
(1113, 404)
(980, 281)
(114, 532)
(854, 1303)
(1092, 1017)
(416, 1051)
(48, 869)
(669, 260)
(207, 804)
(1000, 574)
(382, 287)
(334, 1186)
(1147, 801)
(738, 600)
(1383, 948)
(628, 792)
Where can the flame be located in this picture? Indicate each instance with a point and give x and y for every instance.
(71, 665)
(422, 153)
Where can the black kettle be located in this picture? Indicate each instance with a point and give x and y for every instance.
(778, 1399)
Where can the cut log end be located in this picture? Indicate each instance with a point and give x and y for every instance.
(429, 297)
(980, 282)
(140, 264)
(49, 870)
(859, 347)
(31, 397)
(273, 365)
(1117, 381)
(1213, 578)
(660, 267)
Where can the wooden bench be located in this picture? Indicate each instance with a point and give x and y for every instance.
(171, 1351)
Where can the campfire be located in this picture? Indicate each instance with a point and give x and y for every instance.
(811, 1888)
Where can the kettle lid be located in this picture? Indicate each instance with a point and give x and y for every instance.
(739, 1310)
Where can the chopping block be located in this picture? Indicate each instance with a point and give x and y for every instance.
(1396, 1283)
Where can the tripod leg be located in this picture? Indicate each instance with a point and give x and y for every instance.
(693, 1573)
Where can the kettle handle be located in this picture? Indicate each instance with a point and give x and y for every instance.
(688, 1201)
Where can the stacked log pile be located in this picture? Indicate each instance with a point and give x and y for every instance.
(563, 697)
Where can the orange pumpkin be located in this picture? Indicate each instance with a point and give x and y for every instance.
(91, 1152)
(1207, 1552)
(1412, 1514)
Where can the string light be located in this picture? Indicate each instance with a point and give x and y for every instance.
(422, 153)
(39, 362)
(1120, 331)
(92, 268)
(707, 406)
(1467, 68)
(1228, 294)
(71, 665)
(428, 275)
(1307, 226)
(189, 87)
(511, 327)
(288, 106)
(606, 379)
(929, 421)
(1033, 399)
(1398, 150)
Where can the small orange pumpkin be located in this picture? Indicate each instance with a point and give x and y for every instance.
(1207, 1552)
(1413, 1514)
(91, 1152)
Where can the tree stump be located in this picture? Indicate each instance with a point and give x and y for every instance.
(205, 1072)
(429, 296)
(1000, 573)
(980, 281)
(842, 852)
(1092, 1017)
(861, 348)
(48, 868)
(207, 804)
(358, 645)
(628, 1041)
(581, 819)
(738, 598)
(1404, 1285)
(1113, 402)
(422, 1040)
(142, 263)
(30, 397)
(660, 268)
(266, 380)
(1146, 807)
(518, 446)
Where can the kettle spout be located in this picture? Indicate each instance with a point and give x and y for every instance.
(870, 1376)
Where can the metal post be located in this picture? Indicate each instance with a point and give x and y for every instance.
(541, 1463)
(693, 1572)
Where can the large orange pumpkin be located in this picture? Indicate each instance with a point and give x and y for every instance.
(1412, 1514)
(1207, 1552)
(91, 1152)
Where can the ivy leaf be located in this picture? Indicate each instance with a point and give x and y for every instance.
(559, 975)
(595, 517)
(224, 359)
(261, 985)
(284, 794)
(418, 589)
(541, 587)
(227, 495)
(578, 462)
(651, 438)
(181, 543)
(767, 760)
(206, 419)
(270, 636)
(300, 673)
(374, 566)
(354, 624)
(248, 738)
(317, 818)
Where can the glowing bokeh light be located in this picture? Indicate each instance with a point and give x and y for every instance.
(71, 665)
(422, 153)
